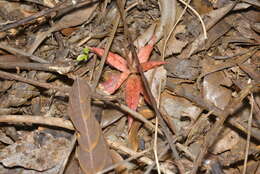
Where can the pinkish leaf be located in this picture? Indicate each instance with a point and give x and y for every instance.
(132, 94)
(114, 60)
(151, 64)
(114, 82)
(145, 52)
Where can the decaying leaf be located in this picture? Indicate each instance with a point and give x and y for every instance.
(93, 152)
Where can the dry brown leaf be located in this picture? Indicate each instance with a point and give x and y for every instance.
(93, 152)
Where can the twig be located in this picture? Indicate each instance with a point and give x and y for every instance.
(135, 115)
(139, 154)
(145, 160)
(104, 56)
(17, 51)
(6, 75)
(156, 134)
(50, 121)
(249, 133)
(31, 18)
(169, 35)
(149, 169)
(198, 15)
(61, 69)
(148, 90)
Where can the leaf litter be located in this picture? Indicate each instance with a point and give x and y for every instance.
(202, 87)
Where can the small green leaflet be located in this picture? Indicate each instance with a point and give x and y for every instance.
(83, 56)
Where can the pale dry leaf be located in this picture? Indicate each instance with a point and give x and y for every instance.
(213, 90)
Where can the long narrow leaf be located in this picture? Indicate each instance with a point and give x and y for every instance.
(93, 152)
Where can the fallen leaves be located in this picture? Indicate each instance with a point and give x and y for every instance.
(93, 153)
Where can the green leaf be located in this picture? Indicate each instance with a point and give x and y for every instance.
(82, 57)
(85, 51)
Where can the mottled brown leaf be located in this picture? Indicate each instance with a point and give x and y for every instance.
(93, 153)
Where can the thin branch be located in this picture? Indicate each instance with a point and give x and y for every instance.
(104, 56)
(249, 133)
(198, 15)
(61, 69)
(139, 154)
(170, 34)
(6, 75)
(50, 121)
(145, 160)
(17, 51)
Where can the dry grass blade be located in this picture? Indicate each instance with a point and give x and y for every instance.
(93, 153)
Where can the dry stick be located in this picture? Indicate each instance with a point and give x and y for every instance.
(150, 168)
(104, 56)
(135, 114)
(62, 69)
(249, 132)
(50, 121)
(212, 135)
(139, 154)
(6, 75)
(156, 133)
(145, 160)
(148, 90)
(17, 51)
(198, 15)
